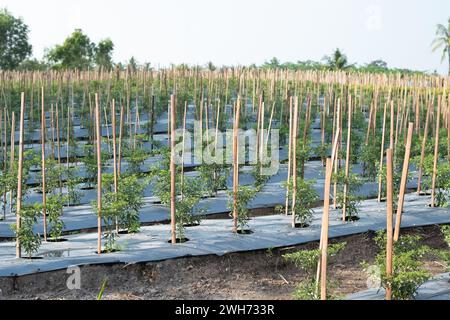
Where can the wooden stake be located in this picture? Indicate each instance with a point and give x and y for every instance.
(389, 215)
(294, 159)
(236, 165)
(324, 233)
(401, 197)
(44, 195)
(113, 127)
(172, 171)
(119, 160)
(19, 175)
(12, 153)
(380, 178)
(99, 176)
(422, 152)
(289, 154)
(347, 160)
(436, 154)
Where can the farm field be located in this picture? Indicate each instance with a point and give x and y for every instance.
(177, 181)
(113, 166)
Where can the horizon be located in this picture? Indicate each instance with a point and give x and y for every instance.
(238, 33)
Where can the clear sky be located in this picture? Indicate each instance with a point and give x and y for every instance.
(244, 31)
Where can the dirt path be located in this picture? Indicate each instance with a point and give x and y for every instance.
(253, 275)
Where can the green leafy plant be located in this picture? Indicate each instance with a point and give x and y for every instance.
(29, 240)
(73, 180)
(135, 158)
(370, 156)
(306, 261)
(188, 194)
(322, 151)
(54, 206)
(214, 177)
(407, 265)
(306, 196)
(244, 195)
(350, 201)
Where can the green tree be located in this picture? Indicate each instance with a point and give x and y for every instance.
(77, 52)
(337, 61)
(14, 46)
(103, 54)
(33, 65)
(442, 41)
(272, 64)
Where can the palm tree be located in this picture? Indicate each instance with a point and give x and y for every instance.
(442, 40)
(337, 61)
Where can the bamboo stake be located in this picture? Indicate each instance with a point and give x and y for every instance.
(119, 160)
(182, 150)
(294, 160)
(99, 176)
(12, 154)
(333, 156)
(44, 195)
(235, 165)
(436, 154)
(19, 176)
(380, 178)
(336, 161)
(113, 128)
(422, 152)
(389, 215)
(172, 171)
(401, 197)
(324, 233)
(347, 160)
(289, 154)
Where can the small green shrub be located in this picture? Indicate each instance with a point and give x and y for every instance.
(305, 200)
(407, 267)
(306, 261)
(29, 240)
(244, 195)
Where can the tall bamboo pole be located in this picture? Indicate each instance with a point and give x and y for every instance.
(422, 152)
(401, 197)
(347, 160)
(389, 215)
(119, 160)
(324, 233)
(236, 165)
(44, 194)
(289, 154)
(182, 150)
(436, 154)
(12, 153)
(113, 128)
(19, 176)
(380, 178)
(172, 171)
(99, 175)
(294, 159)
(333, 156)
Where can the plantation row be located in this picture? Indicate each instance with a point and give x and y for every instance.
(389, 124)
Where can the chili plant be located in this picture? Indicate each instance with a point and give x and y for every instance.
(306, 196)
(29, 240)
(306, 261)
(244, 195)
(407, 265)
(349, 200)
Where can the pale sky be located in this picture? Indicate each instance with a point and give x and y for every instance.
(244, 31)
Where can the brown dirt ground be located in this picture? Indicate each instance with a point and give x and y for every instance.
(251, 275)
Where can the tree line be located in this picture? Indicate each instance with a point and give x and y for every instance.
(79, 52)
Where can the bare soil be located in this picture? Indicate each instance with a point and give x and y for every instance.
(250, 275)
